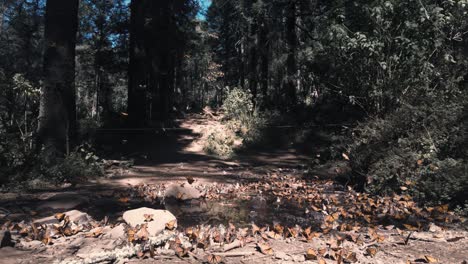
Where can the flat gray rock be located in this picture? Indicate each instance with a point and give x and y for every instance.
(157, 225)
(116, 232)
(183, 191)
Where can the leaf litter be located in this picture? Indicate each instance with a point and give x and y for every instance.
(344, 226)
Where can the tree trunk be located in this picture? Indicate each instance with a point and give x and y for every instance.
(291, 68)
(57, 115)
(137, 72)
(264, 53)
(253, 83)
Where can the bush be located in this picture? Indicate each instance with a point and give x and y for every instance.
(221, 143)
(74, 168)
(242, 125)
(417, 150)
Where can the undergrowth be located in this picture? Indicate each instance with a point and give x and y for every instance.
(242, 125)
(416, 150)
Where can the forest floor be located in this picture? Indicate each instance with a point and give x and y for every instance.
(262, 206)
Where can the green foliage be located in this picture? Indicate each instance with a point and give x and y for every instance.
(221, 143)
(78, 166)
(416, 149)
(384, 53)
(238, 105)
(242, 125)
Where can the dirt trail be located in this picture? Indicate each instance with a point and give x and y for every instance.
(177, 154)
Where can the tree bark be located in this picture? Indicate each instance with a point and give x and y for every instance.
(253, 83)
(291, 68)
(264, 53)
(57, 115)
(137, 71)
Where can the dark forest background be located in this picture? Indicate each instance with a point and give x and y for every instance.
(390, 76)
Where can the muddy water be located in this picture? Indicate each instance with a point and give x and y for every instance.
(241, 211)
(257, 209)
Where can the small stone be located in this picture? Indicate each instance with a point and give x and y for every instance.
(35, 244)
(159, 220)
(298, 258)
(116, 232)
(183, 191)
(282, 256)
(434, 228)
(5, 239)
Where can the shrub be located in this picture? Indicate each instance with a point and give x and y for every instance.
(417, 149)
(76, 167)
(221, 143)
(242, 125)
(238, 105)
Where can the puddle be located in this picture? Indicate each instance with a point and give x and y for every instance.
(258, 209)
(261, 209)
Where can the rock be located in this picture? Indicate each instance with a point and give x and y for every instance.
(95, 246)
(116, 232)
(64, 201)
(434, 228)
(5, 239)
(157, 225)
(32, 245)
(298, 258)
(75, 216)
(281, 255)
(182, 191)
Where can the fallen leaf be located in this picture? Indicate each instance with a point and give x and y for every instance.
(255, 229)
(371, 251)
(171, 225)
(311, 254)
(213, 259)
(143, 233)
(124, 199)
(190, 179)
(264, 248)
(148, 217)
(430, 259)
(350, 258)
(59, 216)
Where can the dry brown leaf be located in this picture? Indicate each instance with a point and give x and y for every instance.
(181, 252)
(350, 258)
(148, 217)
(273, 235)
(265, 248)
(255, 229)
(124, 199)
(190, 179)
(214, 259)
(59, 216)
(171, 225)
(371, 251)
(430, 259)
(321, 261)
(311, 254)
(95, 233)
